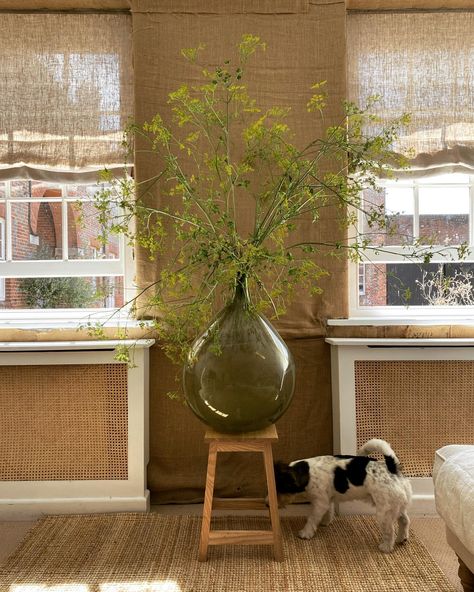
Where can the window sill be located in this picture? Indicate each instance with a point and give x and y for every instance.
(395, 321)
(65, 319)
(109, 344)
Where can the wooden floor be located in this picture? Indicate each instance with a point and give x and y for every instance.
(430, 529)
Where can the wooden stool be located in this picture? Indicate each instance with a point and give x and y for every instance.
(260, 441)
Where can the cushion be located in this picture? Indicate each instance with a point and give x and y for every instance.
(453, 475)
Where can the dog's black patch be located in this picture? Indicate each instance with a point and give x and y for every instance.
(291, 479)
(341, 484)
(343, 456)
(355, 473)
(391, 464)
(356, 469)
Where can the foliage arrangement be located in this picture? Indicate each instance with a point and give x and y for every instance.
(222, 154)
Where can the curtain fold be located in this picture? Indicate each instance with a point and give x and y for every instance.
(65, 93)
(423, 64)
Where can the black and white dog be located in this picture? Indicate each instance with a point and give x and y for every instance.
(326, 479)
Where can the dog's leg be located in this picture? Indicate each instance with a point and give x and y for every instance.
(386, 519)
(403, 527)
(318, 510)
(329, 516)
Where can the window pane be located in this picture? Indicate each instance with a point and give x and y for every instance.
(20, 188)
(29, 189)
(84, 231)
(444, 215)
(36, 230)
(411, 284)
(398, 205)
(82, 191)
(2, 190)
(41, 189)
(67, 292)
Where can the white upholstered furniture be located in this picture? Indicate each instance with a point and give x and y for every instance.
(453, 475)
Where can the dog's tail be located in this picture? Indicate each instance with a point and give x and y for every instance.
(377, 445)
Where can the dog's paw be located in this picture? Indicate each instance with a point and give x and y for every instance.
(385, 547)
(306, 533)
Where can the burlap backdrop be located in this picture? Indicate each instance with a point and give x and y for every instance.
(306, 43)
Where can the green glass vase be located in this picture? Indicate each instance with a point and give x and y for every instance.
(239, 375)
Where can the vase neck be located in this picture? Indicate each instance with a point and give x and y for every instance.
(241, 291)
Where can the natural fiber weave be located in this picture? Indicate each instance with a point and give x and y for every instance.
(417, 406)
(63, 422)
(159, 554)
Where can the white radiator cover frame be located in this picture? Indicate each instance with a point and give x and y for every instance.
(344, 353)
(26, 500)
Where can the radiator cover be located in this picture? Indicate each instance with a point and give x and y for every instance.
(418, 394)
(63, 422)
(73, 428)
(417, 406)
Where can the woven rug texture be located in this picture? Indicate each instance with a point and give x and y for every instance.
(154, 553)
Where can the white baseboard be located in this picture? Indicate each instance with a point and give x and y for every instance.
(32, 509)
(420, 505)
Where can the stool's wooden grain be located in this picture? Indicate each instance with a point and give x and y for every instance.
(260, 441)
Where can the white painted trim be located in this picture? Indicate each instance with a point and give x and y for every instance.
(414, 313)
(67, 318)
(45, 346)
(401, 342)
(400, 320)
(2, 257)
(61, 268)
(27, 499)
(32, 509)
(421, 504)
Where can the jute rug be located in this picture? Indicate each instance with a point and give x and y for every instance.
(153, 553)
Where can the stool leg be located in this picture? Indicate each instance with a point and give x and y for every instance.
(207, 509)
(273, 502)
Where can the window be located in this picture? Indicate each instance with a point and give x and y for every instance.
(434, 212)
(425, 76)
(51, 253)
(65, 101)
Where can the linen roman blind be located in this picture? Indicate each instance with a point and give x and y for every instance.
(66, 93)
(421, 63)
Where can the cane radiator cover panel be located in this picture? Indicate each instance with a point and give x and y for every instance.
(417, 406)
(63, 422)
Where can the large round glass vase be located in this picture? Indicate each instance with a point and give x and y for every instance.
(239, 375)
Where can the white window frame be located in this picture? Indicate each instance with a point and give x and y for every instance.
(411, 313)
(64, 267)
(361, 279)
(2, 257)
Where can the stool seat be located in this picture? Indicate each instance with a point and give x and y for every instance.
(258, 441)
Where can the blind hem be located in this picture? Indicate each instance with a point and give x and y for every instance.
(51, 175)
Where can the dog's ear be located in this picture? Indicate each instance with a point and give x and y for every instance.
(301, 474)
(281, 469)
(291, 479)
